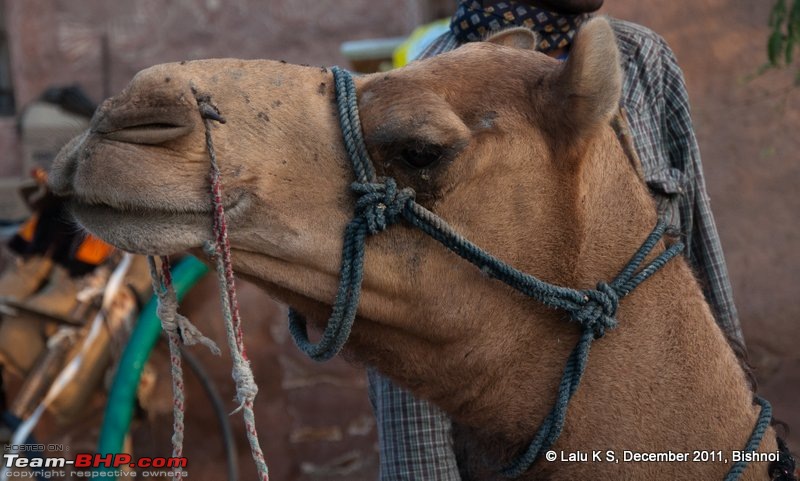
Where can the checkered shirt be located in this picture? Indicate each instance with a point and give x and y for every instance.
(414, 436)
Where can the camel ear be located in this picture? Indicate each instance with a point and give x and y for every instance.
(517, 37)
(590, 82)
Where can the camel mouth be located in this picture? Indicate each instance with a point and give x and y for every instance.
(151, 230)
(85, 203)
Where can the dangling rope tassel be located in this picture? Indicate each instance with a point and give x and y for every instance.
(219, 250)
(160, 288)
(246, 388)
(179, 330)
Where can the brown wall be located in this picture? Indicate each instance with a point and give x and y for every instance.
(10, 162)
(59, 42)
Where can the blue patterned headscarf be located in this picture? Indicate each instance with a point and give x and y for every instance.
(473, 21)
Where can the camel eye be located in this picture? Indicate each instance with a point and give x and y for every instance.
(421, 156)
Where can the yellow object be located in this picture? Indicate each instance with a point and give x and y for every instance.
(419, 39)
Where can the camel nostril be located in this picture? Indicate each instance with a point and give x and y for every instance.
(149, 133)
(157, 119)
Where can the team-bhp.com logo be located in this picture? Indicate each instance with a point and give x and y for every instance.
(121, 460)
(88, 461)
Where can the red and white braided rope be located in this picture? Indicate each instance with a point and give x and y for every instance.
(179, 329)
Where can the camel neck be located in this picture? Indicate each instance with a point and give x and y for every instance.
(667, 363)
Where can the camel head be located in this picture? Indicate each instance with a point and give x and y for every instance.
(490, 136)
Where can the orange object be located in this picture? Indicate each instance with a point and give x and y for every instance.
(93, 251)
(39, 175)
(28, 228)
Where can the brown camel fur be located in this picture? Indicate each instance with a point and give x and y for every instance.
(515, 151)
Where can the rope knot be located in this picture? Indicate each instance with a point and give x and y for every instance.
(167, 312)
(598, 309)
(380, 204)
(246, 387)
(173, 322)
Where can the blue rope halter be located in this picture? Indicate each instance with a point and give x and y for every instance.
(381, 203)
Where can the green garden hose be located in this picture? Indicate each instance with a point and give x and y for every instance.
(122, 396)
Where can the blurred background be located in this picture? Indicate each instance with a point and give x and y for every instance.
(315, 420)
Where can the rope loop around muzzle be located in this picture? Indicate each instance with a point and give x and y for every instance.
(379, 205)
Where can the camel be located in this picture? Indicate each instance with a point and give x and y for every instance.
(515, 151)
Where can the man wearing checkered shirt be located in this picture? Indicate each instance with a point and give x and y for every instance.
(416, 437)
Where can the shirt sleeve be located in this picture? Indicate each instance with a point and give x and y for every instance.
(703, 246)
(414, 436)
